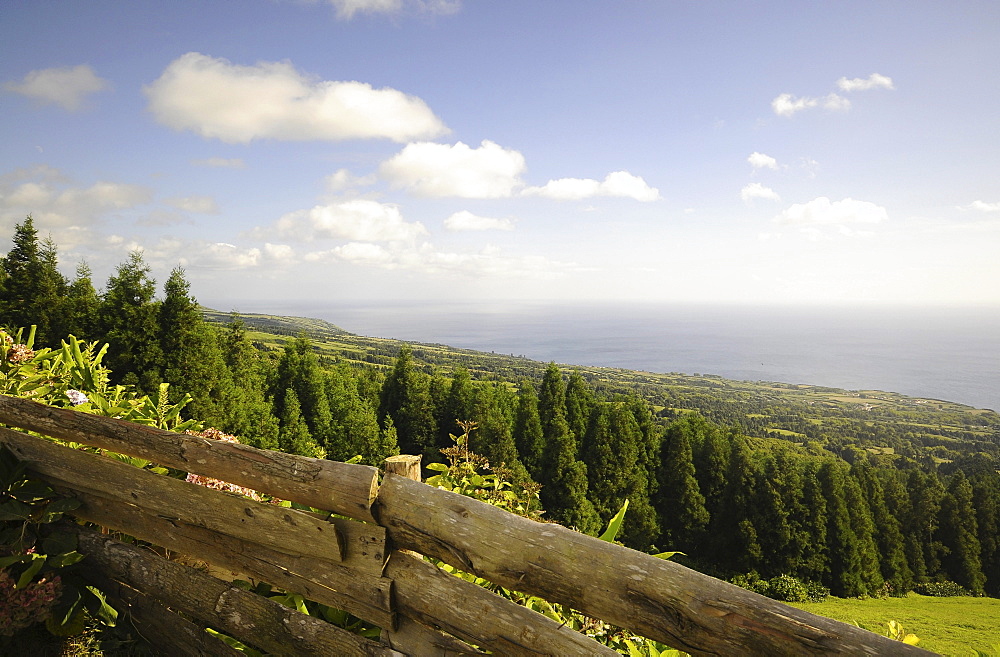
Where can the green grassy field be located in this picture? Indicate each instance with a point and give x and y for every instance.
(948, 626)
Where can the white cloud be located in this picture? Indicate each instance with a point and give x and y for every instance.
(66, 87)
(756, 190)
(346, 9)
(426, 259)
(429, 169)
(787, 104)
(342, 180)
(873, 81)
(196, 204)
(982, 206)
(357, 220)
(618, 183)
(761, 161)
(54, 203)
(466, 221)
(822, 212)
(221, 162)
(217, 99)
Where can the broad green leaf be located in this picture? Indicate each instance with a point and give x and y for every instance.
(611, 533)
(37, 561)
(438, 467)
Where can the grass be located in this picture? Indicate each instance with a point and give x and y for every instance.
(948, 626)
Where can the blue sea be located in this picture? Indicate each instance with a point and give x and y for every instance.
(951, 354)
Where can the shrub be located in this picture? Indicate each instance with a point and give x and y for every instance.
(946, 589)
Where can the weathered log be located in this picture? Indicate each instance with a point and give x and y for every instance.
(284, 530)
(414, 638)
(430, 595)
(164, 632)
(404, 465)
(251, 618)
(361, 593)
(344, 488)
(652, 597)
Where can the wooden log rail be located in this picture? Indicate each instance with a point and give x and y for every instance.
(369, 564)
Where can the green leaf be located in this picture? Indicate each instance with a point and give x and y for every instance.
(65, 559)
(14, 510)
(438, 467)
(59, 544)
(99, 608)
(13, 559)
(30, 490)
(667, 555)
(37, 561)
(611, 533)
(63, 504)
(71, 625)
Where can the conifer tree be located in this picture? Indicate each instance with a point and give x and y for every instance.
(405, 397)
(735, 540)
(294, 437)
(579, 404)
(82, 305)
(814, 563)
(458, 405)
(494, 408)
(564, 480)
(354, 427)
(298, 369)
(923, 549)
(128, 322)
(986, 501)
(681, 506)
(246, 410)
(959, 535)
(888, 530)
(710, 455)
(528, 429)
(32, 289)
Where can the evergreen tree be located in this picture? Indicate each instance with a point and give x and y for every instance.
(246, 410)
(986, 501)
(959, 535)
(32, 289)
(564, 480)
(405, 397)
(682, 514)
(494, 408)
(888, 530)
(294, 437)
(128, 322)
(814, 563)
(298, 369)
(528, 430)
(354, 425)
(735, 540)
(710, 455)
(923, 549)
(82, 305)
(193, 362)
(458, 405)
(579, 404)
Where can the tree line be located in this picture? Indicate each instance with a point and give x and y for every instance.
(732, 503)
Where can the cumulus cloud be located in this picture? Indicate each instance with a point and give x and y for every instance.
(761, 161)
(343, 180)
(346, 9)
(618, 183)
(439, 170)
(237, 104)
(756, 190)
(466, 221)
(787, 104)
(67, 87)
(55, 203)
(982, 206)
(822, 212)
(195, 204)
(356, 220)
(873, 81)
(221, 163)
(426, 259)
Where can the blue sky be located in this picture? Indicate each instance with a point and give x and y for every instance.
(691, 150)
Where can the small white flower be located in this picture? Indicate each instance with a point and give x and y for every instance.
(76, 397)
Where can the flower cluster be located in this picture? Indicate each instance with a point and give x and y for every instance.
(20, 608)
(76, 397)
(19, 353)
(218, 484)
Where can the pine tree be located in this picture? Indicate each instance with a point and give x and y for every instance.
(494, 408)
(82, 305)
(710, 455)
(923, 549)
(735, 540)
(458, 405)
(246, 411)
(579, 405)
(986, 501)
(129, 325)
(528, 430)
(888, 530)
(959, 535)
(299, 370)
(33, 289)
(405, 397)
(564, 480)
(294, 437)
(682, 514)
(814, 564)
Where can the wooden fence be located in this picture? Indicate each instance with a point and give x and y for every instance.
(366, 559)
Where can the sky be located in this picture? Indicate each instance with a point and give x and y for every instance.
(711, 151)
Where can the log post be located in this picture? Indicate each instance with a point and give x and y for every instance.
(404, 465)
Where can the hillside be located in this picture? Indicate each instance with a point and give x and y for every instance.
(886, 424)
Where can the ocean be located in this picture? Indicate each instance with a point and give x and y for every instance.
(951, 354)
